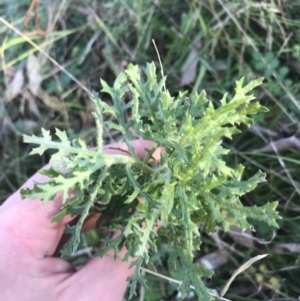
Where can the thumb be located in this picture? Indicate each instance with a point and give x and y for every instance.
(29, 221)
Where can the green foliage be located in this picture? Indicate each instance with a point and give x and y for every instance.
(269, 65)
(296, 52)
(191, 183)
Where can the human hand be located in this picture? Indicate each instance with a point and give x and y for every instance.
(28, 241)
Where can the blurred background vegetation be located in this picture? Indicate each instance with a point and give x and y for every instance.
(52, 53)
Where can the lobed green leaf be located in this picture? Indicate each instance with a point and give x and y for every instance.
(191, 184)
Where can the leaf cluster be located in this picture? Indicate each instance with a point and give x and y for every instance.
(191, 183)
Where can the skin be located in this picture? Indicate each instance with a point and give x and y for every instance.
(28, 241)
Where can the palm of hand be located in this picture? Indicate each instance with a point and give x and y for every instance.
(28, 240)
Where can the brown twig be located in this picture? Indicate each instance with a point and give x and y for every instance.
(280, 145)
(35, 5)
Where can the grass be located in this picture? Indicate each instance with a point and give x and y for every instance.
(76, 43)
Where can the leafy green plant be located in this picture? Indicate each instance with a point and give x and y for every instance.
(269, 65)
(296, 52)
(191, 183)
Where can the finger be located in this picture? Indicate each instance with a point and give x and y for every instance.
(90, 222)
(109, 274)
(103, 279)
(139, 145)
(28, 222)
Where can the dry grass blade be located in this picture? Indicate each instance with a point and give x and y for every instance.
(241, 269)
(35, 78)
(10, 26)
(179, 282)
(161, 66)
(189, 68)
(15, 85)
(280, 145)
